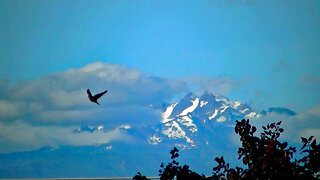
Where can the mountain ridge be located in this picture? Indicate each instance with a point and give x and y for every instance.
(182, 120)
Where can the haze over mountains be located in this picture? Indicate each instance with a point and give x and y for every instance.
(198, 125)
(186, 122)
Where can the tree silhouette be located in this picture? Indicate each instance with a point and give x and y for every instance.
(265, 157)
(173, 169)
(139, 177)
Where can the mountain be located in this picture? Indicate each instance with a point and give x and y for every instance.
(88, 129)
(279, 110)
(190, 121)
(193, 122)
(201, 126)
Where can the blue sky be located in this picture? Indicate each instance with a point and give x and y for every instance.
(271, 47)
(263, 52)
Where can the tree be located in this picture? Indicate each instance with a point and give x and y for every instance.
(265, 157)
(139, 177)
(173, 170)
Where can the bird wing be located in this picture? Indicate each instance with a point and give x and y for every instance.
(88, 92)
(97, 96)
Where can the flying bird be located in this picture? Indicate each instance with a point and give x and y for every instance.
(95, 97)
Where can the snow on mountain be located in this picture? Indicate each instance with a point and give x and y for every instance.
(181, 120)
(108, 148)
(100, 128)
(166, 114)
(190, 109)
(125, 127)
(193, 121)
(154, 140)
(88, 129)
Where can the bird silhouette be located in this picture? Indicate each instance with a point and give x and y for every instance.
(95, 97)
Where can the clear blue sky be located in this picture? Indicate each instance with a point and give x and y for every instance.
(272, 47)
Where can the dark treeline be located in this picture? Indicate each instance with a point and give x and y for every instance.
(264, 158)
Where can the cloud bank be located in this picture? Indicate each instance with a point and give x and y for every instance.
(304, 124)
(45, 111)
(21, 136)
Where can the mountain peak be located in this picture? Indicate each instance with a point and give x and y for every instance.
(181, 120)
(190, 95)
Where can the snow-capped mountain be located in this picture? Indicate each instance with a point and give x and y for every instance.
(194, 121)
(88, 129)
(182, 120)
(202, 126)
(100, 128)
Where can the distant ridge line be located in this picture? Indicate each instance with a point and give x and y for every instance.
(98, 178)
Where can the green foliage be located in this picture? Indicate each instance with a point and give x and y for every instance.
(264, 156)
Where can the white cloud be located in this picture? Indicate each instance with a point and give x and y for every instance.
(64, 95)
(305, 124)
(219, 85)
(45, 111)
(20, 136)
(64, 116)
(64, 99)
(8, 110)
